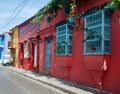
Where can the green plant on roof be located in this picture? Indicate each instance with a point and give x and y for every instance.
(52, 10)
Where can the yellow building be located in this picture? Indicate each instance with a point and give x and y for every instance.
(13, 46)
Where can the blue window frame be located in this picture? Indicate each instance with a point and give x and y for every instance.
(64, 40)
(98, 33)
(1, 41)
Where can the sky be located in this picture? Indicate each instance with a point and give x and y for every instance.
(15, 12)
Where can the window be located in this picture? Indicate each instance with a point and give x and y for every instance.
(1, 41)
(64, 40)
(26, 50)
(0, 38)
(97, 34)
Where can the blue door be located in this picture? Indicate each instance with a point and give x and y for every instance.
(48, 53)
(0, 53)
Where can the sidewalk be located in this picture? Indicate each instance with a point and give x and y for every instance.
(63, 85)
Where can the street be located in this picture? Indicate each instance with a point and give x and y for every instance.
(13, 83)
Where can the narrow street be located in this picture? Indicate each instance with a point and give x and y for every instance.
(12, 83)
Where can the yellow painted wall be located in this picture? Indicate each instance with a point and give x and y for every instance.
(14, 40)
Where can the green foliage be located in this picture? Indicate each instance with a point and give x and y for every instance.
(39, 17)
(52, 9)
(91, 35)
(116, 4)
(58, 50)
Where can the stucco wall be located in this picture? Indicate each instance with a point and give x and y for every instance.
(79, 67)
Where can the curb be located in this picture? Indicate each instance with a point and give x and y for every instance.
(94, 91)
(49, 84)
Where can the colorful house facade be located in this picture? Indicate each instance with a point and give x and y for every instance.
(4, 51)
(13, 46)
(28, 45)
(1, 48)
(89, 55)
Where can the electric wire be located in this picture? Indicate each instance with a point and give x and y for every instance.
(20, 10)
(13, 17)
(15, 10)
(21, 6)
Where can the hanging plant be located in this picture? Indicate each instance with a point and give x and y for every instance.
(92, 35)
(58, 50)
(53, 7)
(72, 9)
(79, 15)
(67, 9)
(50, 9)
(116, 4)
(71, 23)
(39, 17)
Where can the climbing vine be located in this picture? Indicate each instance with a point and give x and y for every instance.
(116, 4)
(51, 10)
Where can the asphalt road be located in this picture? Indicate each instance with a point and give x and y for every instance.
(13, 83)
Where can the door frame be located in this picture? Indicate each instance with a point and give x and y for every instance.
(35, 54)
(50, 55)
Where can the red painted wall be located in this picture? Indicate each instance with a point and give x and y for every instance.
(101, 71)
(42, 48)
(27, 32)
(60, 18)
(47, 29)
(86, 69)
(112, 77)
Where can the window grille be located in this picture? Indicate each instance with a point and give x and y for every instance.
(97, 35)
(64, 40)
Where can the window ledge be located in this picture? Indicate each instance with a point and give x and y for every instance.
(63, 55)
(96, 53)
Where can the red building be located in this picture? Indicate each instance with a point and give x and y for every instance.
(28, 45)
(61, 50)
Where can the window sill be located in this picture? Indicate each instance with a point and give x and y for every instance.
(100, 53)
(63, 55)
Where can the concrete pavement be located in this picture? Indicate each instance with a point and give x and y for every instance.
(13, 83)
(63, 85)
